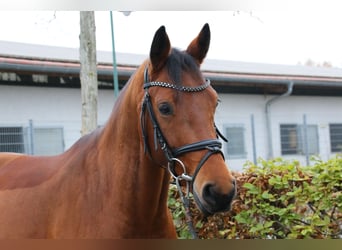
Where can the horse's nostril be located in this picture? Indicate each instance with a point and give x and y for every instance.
(209, 194)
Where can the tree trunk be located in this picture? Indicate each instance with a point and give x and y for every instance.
(88, 74)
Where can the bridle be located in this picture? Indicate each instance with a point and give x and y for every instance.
(214, 146)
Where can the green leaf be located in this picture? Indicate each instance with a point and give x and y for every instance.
(252, 189)
(242, 218)
(267, 196)
(268, 224)
(199, 224)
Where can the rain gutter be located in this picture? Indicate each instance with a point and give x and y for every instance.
(276, 80)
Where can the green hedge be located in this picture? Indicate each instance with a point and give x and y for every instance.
(276, 199)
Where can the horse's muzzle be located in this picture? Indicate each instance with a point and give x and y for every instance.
(213, 201)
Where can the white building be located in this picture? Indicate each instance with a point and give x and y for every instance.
(265, 111)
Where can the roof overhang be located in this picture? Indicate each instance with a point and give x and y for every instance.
(222, 81)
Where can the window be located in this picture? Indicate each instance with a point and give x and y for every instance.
(236, 141)
(292, 137)
(43, 140)
(12, 139)
(335, 137)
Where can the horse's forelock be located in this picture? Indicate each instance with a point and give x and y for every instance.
(179, 61)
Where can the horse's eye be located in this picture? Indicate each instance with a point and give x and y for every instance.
(165, 108)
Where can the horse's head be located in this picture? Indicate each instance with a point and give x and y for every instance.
(180, 132)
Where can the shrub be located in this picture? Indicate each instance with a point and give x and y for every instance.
(276, 199)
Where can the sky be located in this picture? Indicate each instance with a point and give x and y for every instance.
(277, 37)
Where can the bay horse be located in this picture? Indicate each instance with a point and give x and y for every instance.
(113, 182)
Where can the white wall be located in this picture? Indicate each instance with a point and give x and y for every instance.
(237, 109)
(319, 111)
(50, 107)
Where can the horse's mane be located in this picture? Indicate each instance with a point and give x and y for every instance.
(179, 61)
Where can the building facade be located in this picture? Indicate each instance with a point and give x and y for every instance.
(266, 111)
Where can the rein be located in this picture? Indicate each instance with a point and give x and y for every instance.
(212, 145)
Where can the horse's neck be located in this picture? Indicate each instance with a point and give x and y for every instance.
(137, 183)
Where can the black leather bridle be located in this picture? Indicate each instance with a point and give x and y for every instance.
(213, 146)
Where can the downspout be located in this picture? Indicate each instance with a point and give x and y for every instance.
(268, 117)
(115, 71)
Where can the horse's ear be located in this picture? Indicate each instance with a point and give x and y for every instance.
(160, 49)
(198, 48)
